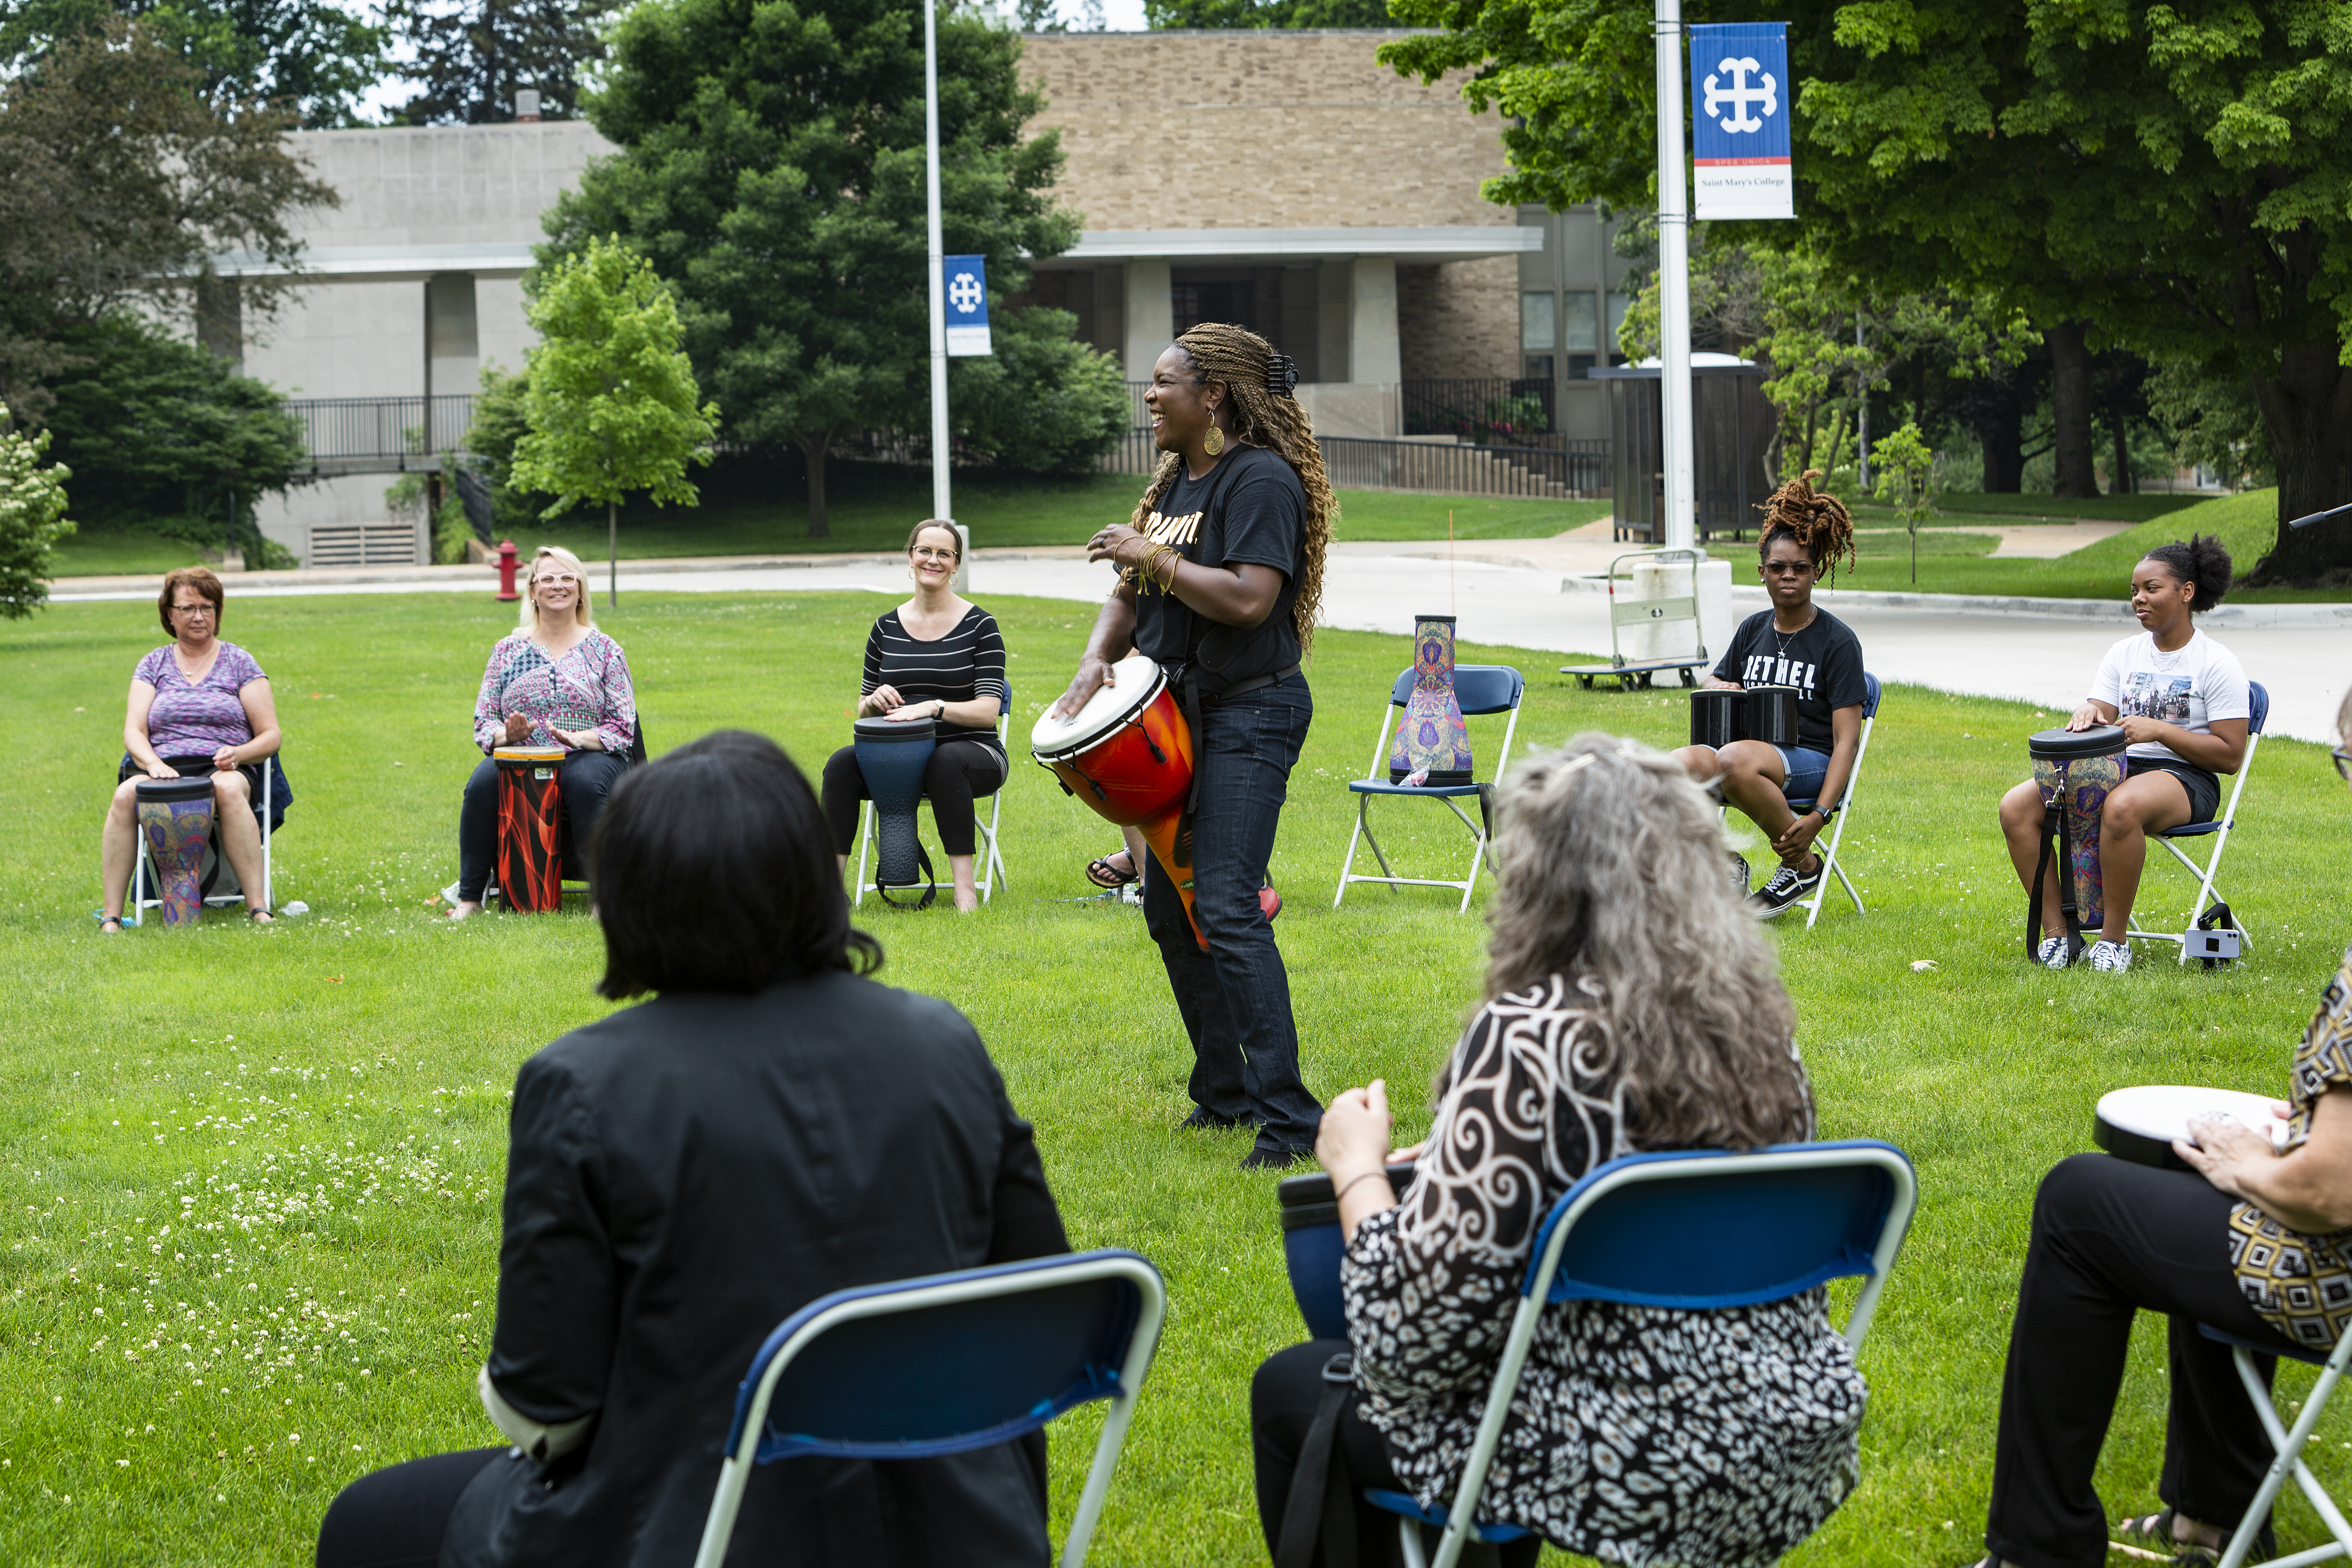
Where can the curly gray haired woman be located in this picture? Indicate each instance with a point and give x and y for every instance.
(1631, 1005)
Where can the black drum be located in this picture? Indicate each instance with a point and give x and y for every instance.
(1771, 715)
(2072, 745)
(1312, 1243)
(1715, 717)
(2140, 1124)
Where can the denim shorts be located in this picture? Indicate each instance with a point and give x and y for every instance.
(1802, 772)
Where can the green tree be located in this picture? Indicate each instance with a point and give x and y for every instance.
(1907, 481)
(120, 181)
(310, 58)
(1044, 403)
(611, 399)
(470, 56)
(163, 436)
(772, 166)
(32, 520)
(1266, 14)
(2129, 173)
(500, 421)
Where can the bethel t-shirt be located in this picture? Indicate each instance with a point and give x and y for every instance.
(1824, 662)
(1249, 509)
(2192, 685)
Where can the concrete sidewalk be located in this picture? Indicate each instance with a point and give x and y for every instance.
(1514, 592)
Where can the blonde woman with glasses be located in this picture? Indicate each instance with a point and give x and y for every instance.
(936, 657)
(557, 681)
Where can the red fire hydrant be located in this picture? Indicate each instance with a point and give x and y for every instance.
(506, 572)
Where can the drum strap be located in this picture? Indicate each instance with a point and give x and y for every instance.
(930, 880)
(2054, 830)
(1322, 1494)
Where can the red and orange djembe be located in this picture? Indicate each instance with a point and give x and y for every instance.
(531, 826)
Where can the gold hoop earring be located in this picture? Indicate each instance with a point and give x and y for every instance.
(1213, 442)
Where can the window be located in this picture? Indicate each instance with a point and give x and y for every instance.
(1537, 367)
(1617, 305)
(1580, 323)
(1538, 331)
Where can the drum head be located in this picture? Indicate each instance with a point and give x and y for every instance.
(882, 731)
(2140, 1124)
(182, 788)
(1139, 680)
(2098, 740)
(528, 755)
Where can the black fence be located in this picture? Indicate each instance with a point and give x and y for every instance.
(380, 434)
(1487, 411)
(1574, 468)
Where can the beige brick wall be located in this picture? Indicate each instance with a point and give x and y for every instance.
(1257, 129)
(1459, 319)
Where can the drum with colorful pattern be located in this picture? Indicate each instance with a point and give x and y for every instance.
(175, 818)
(531, 826)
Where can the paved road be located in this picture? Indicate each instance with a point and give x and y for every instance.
(1373, 587)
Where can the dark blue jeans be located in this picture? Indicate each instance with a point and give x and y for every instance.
(585, 778)
(1235, 999)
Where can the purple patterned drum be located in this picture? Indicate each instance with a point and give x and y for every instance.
(175, 818)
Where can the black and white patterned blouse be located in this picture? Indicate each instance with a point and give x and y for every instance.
(965, 665)
(1638, 1434)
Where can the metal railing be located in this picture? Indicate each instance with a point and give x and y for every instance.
(1490, 410)
(1561, 470)
(380, 434)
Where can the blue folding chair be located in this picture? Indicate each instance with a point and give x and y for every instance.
(2289, 1444)
(1481, 689)
(1741, 1228)
(943, 1364)
(1829, 862)
(2259, 712)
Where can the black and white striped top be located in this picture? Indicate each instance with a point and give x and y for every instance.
(966, 663)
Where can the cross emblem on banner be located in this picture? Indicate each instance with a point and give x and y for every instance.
(964, 293)
(1740, 95)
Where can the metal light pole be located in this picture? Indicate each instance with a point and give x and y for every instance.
(936, 284)
(1674, 278)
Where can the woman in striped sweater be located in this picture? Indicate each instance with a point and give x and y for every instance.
(935, 657)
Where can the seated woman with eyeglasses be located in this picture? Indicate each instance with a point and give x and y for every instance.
(197, 705)
(1795, 643)
(559, 681)
(936, 657)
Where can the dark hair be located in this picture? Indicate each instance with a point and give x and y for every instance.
(1817, 521)
(953, 537)
(2200, 561)
(712, 871)
(196, 577)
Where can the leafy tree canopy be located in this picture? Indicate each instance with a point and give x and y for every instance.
(1044, 403)
(470, 56)
(310, 58)
(2174, 181)
(772, 168)
(32, 518)
(1268, 13)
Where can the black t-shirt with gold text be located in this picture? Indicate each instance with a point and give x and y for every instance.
(1249, 509)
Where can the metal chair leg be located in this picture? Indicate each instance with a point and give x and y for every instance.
(865, 838)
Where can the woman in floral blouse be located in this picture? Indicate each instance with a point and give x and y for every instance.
(559, 681)
(1631, 1005)
(2253, 1241)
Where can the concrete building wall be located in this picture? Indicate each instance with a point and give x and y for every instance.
(1459, 319)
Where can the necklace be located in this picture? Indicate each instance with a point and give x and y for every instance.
(1782, 651)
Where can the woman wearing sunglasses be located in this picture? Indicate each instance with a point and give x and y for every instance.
(2183, 704)
(1795, 643)
(557, 681)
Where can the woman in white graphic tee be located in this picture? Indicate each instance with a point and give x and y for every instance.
(2182, 701)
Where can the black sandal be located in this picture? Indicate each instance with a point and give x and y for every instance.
(1109, 877)
(2149, 1538)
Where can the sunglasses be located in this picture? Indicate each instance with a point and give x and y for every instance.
(2343, 763)
(1788, 568)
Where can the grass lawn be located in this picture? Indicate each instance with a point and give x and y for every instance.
(90, 552)
(2050, 509)
(250, 1178)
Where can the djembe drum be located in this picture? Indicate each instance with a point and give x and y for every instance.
(175, 818)
(891, 757)
(1312, 1243)
(1432, 745)
(531, 826)
(2075, 770)
(1128, 754)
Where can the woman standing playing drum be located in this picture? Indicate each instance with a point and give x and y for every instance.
(1221, 572)
(2183, 704)
(559, 681)
(197, 705)
(939, 658)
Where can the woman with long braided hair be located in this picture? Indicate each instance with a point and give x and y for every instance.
(1221, 569)
(1795, 643)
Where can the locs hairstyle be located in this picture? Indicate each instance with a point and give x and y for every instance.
(712, 871)
(1817, 522)
(1262, 418)
(2199, 560)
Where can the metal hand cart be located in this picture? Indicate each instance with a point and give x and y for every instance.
(1625, 610)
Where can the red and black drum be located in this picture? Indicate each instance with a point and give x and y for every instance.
(1128, 754)
(531, 826)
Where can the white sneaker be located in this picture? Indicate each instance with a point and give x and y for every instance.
(2052, 953)
(2110, 957)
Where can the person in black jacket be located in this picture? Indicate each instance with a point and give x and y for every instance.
(685, 1174)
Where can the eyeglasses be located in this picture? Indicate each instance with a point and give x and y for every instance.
(192, 609)
(2343, 763)
(551, 580)
(925, 552)
(1788, 568)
